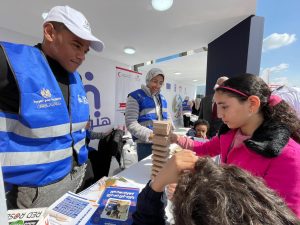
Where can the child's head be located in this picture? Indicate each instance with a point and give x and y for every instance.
(201, 127)
(244, 97)
(226, 195)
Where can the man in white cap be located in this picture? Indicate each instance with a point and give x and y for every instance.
(44, 110)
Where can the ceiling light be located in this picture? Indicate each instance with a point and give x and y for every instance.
(177, 73)
(162, 5)
(195, 80)
(129, 50)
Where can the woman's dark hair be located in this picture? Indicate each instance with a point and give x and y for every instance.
(227, 195)
(201, 122)
(250, 84)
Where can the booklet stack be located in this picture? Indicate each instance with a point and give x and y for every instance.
(160, 147)
(116, 206)
(108, 194)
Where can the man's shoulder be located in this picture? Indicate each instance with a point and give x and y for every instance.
(14, 45)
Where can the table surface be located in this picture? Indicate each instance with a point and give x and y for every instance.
(139, 172)
(181, 131)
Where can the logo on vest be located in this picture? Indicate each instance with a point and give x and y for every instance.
(82, 99)
(47, 100)
(46, 93)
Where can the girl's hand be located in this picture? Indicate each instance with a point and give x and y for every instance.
(173, 138)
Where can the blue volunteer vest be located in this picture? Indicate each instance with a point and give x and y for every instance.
(186, 106)
(147, 111)
(37, 143)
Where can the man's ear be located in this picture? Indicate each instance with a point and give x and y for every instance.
(49, 32)
(254, 103)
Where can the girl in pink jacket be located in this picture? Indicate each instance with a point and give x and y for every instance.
(260, 134)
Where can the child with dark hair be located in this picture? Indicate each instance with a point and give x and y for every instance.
(199, 130)
(211, 194)
(260, 134)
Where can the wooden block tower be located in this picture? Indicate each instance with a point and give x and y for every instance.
(160, 147)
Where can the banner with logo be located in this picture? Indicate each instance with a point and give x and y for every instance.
(126, 82)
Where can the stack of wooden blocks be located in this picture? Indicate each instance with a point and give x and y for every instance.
(160, 147)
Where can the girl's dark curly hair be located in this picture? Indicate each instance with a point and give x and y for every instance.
(227, 195)
(250, 84)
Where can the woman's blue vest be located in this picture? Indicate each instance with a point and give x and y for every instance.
(147, 109)
(36, 145)
(186, 106)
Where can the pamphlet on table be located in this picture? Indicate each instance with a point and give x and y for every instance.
(116, 206)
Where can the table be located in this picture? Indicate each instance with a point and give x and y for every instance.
(181, 131)
(140, 172)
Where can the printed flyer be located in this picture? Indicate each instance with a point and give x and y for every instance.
(25, 216)
(116, 206)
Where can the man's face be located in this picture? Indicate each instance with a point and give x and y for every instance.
(68, 49)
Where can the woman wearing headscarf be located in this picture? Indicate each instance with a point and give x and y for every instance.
(143, 107)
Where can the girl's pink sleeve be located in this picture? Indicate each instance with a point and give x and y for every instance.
(210, 148)
(185, 142)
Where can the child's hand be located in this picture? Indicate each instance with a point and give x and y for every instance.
(183, 160)
(151, 137)
(173, 137)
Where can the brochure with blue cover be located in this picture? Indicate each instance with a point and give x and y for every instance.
(116, 206)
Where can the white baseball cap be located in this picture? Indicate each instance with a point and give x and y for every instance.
(76, 22)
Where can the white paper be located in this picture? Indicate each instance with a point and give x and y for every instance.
(71, 209)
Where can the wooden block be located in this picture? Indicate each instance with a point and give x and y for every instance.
(156, 168)
(160, 153)
(161, 140)
(162, 127)
(158, 163)
(160, 148)
(159, 158)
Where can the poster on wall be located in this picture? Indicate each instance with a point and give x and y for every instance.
(168, 86)
(177, 107)
(98, 119)
(126, 82)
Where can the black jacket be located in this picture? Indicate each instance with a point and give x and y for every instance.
(150, 208)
